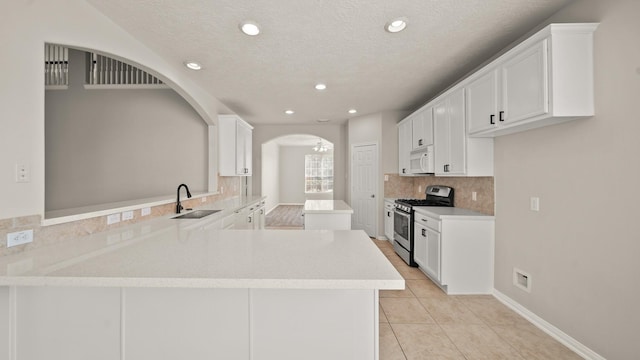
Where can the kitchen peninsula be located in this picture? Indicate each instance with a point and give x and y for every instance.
(327, 214)
(167, 289)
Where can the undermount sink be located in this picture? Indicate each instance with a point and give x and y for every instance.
(198, 214)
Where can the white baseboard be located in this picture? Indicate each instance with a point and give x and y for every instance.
(545, 326)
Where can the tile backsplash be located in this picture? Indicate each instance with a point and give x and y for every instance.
(414, 187)
(52, 234)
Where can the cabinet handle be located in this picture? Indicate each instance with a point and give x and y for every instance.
(425, 220)
(424, 233)
(404, 171)
(388, 213)
(501, 115)
(420, 142)
(491, 119)
(249, 219)
(446, 168)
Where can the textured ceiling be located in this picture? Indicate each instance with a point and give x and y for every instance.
(341, 43)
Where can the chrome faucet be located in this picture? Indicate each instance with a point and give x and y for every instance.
(178, 205)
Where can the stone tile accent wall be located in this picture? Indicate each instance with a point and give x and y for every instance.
(414, 187)
(49, 235)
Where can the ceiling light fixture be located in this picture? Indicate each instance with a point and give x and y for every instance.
(322, 120)
(289, 112)
(321, 86)
(250, 28)
(353, 111)
(396, 25)
(320, 147)
(192, 65)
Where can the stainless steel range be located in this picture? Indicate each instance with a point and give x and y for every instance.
(436, 195)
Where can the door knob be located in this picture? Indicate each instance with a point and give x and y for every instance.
(373, 196)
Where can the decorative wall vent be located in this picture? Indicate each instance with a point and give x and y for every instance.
(56, 66)
(103, 71)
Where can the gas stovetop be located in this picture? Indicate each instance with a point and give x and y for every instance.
(436, 195)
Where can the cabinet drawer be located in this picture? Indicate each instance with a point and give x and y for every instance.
(428, 221)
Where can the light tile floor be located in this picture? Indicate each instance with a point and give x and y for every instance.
(422, 322)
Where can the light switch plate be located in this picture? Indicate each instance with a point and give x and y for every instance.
(22, 173)
(145, 211)
(535, 203)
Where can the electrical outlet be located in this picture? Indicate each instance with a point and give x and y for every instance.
(419, 188)
(127, 215)
(203, 199)
(113, 218)
(19, 238)
(145, 211)
(221, 189)
(534, 203)
(474, 196)
(386, 177)
(22, 173)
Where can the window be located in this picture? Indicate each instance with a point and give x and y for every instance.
(318, 173)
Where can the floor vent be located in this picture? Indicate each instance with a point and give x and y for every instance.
(522, 280)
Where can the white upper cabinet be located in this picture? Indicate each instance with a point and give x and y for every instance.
(235, 139)
(450, 135)
(404, 146)
(545, 80)
(422, 128)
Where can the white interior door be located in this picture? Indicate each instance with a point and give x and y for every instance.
(364, 188)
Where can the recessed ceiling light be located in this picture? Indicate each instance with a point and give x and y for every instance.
(321, 86)
(353, 111)
(322, 120)
(192, 65)
(396, 25)
(289, 112)
(250, 28)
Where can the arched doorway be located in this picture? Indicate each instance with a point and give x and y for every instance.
(296, 168)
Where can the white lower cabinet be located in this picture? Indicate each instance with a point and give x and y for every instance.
(456, 252)
(388, 219)
(79, 323)
(67, 323)
(186, 324)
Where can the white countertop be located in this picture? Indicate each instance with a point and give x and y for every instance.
(326, 207)
(165, 252)
(443, 212)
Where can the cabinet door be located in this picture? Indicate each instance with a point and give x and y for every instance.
(441, 136)
(388, 222)
(457, 134)
(417, 132)
(525, 89)
(243, 149)
(404, 147)
(420, 250)
(432, 263)
(482, 102)
(422, 129)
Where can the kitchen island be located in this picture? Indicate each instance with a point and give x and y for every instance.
(327, 214)
(168, 289)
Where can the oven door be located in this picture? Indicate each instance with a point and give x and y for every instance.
(402, 228)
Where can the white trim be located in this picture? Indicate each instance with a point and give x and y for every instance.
(548, 328)
(301, 204)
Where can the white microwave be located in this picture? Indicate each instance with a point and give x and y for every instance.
(422, 161)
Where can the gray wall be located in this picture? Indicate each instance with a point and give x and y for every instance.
(104, 146)
(292, 187)
(582, 248)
